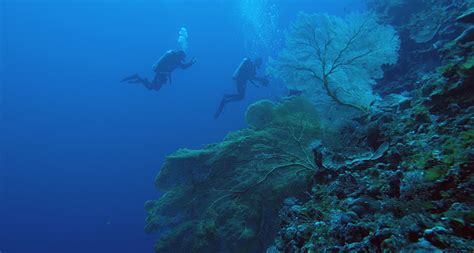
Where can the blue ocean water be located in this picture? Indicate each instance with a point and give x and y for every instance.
(79, 149)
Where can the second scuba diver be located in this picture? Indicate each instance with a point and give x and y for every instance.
(246, 72)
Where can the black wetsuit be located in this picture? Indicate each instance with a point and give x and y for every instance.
(170, 61)
(246, 72)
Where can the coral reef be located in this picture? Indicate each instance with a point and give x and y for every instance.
(418, 196)
(398, 178)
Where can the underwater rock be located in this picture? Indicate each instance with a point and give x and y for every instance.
(426, 30)
(374, 135)
(462, 228)
(380, 236)
(363, 206)
(393, 100)
(345, 185)
(303, 232)
(436, 235)
(403, 105)
(414, 232)
(394, 183)
(355, 247)
(355, 232)
(360, 159)
(422, 246)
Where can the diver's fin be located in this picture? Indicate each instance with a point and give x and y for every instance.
(219, 110)
(216, 115)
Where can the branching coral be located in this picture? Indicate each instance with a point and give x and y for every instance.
(337, 57)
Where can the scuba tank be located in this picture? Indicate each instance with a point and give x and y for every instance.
(244, 66)
(162, 58)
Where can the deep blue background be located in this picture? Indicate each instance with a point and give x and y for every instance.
(79, 149)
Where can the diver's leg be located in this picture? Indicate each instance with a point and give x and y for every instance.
(240, 94)
(158, 81)
(135, 79)
(223, 102)
(241, 87)
(231, 98)
(157, 85)
(144, 81)
(130, 78)
(156, 78)
(234, 98)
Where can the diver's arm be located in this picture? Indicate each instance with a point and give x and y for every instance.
(187, 65)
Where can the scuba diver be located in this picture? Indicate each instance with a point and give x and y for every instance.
(246, 72)
(170, 61)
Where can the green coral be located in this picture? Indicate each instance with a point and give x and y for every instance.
(227, 195)
(260, 114)
(459, 67)
(435, 172)
(452, 151)
(468, 64)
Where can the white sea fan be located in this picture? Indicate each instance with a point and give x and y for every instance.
(336, 59)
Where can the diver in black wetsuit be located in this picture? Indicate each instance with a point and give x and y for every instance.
(246, 72)
(170, 61)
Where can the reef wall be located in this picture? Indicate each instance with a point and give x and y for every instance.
(418, 196)
(396, 179)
